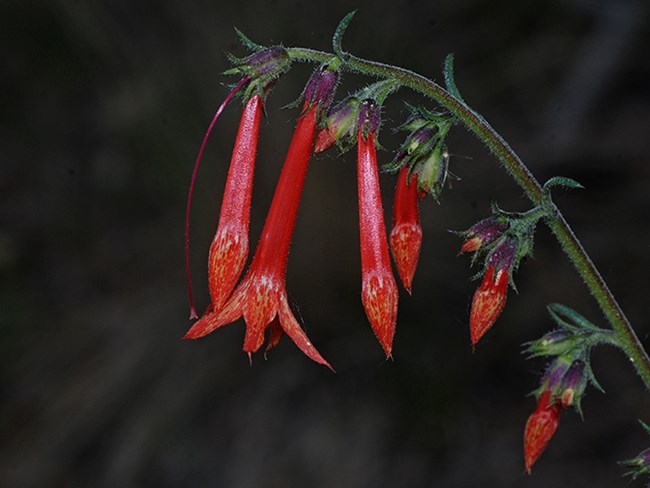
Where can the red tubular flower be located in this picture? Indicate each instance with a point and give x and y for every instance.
(261, 297)
(379, 290)
(229, 248)
(258, 71)
(406, 235)
(246, 80)
(540, 428)
(487, 305)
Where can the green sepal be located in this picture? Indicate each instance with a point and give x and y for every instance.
(337, 39)
(245, 40)
(450, 82)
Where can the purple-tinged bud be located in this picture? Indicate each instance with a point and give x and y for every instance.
(321, 86)
(573, 385)
(432, 170)
(554, 375)
(417, 147)
(554, 343)
(272, 61)
(369, 116)
(483, 233)
(340, 124)
(639, 465)
(261, 68)
(503, 255)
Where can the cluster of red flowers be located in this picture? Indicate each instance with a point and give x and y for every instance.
(421, 167)
(261, 297)
(500, 241)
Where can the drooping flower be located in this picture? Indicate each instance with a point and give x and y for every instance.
(258, 71)
(490, 298)
(406, 234)
(488, 303)
(540, 428)
(261, 297)
(229, 248)
(378, 287)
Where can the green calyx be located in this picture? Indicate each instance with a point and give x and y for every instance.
(569, 346)
(424, 151)
(262, 68)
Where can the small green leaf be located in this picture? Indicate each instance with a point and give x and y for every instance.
(561, 181)
(561, 312)
(338, 34)
(450, 82)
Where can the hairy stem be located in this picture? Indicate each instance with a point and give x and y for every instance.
(621, 326)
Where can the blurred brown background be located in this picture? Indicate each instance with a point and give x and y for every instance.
(104, 106)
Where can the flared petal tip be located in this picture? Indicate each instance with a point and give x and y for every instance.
(198, 330)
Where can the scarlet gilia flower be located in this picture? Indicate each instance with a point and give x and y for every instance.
(490, 298)
(540, 428)
(230, 245)
(261, 297)
(406, 235)
(229, 248)
(378, 288)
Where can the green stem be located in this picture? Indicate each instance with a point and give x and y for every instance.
(627, 338)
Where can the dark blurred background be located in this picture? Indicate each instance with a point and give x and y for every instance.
(103, 108)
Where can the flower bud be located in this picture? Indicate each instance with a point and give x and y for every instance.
(573, 385)
(416, 147)
(554, 375)
(483, 233)
(555, 343)
(321, 86)
(488, 303)
(540, 428)
(340, 124)
(432, 171)
(269, 62)
(503, 255)
(261, 68)
(639, 465)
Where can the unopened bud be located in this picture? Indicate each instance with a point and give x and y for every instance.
(340, 124)
(573, 385)
(483, 234)
(321, 86)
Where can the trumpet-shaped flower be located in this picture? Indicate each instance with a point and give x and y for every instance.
(229, 248)
(261, 297)
(379, 290)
